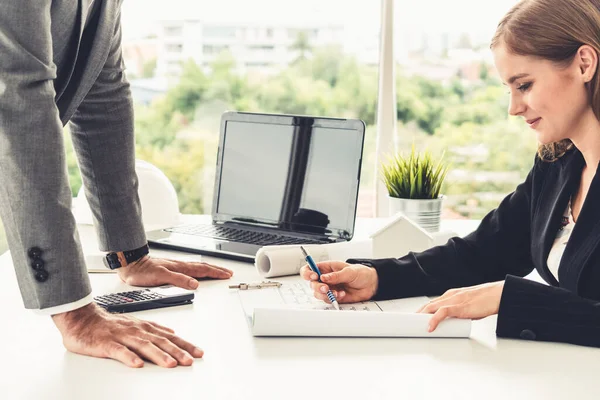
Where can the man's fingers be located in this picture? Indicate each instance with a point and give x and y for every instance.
(180, 280)
(179, 342)
(145, 348)
(121, 353)
(194, 351)
(160, 327)
(203, 264)
(230, 272)
(201, 270)
(183, 357)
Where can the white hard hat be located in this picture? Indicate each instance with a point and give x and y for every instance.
(160, 207)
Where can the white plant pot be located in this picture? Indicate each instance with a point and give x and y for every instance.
(425, 213)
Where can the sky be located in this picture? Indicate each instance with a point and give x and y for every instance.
(476, 17)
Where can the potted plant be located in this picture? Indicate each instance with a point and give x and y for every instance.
(413, 184)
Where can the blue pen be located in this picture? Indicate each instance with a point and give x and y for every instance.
(313, 266)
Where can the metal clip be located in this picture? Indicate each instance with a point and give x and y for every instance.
(260, 285)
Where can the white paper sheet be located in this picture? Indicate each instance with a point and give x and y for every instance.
(270, 315)
(285, 260)
(303, 322)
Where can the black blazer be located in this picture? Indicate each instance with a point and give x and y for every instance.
(510, 242)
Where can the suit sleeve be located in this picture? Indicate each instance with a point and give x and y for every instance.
(103, 137)
(35, 199)
(534, 311)
(498, 247)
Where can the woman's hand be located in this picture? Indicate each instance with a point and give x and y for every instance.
(149, 271)
(473, 302)
(350, 283)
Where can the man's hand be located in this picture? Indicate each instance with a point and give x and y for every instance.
(473, 302)
(94, 332)
(149, 271)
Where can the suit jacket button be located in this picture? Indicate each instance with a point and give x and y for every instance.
(41, 275)
(34, 252)
(528, 334)
(37, 264)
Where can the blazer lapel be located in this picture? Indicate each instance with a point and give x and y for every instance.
(584, 239)
(554, 199)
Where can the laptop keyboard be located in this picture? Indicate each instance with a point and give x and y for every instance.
(240, 235)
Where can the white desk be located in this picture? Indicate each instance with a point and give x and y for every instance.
(237, 366)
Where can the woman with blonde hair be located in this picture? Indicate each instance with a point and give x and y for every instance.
(546, 52)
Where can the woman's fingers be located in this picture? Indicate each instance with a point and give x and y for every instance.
(325, 267)
(321, 294)
(456, 311)
(447, 294)
(456, 297)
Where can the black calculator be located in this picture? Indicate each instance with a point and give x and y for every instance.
(145, 299)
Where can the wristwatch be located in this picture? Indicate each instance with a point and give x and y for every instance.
(120, 259)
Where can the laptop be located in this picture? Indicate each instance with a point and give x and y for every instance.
(280, 179)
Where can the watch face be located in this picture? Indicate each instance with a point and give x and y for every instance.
(112, 261)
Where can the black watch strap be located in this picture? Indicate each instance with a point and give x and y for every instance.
(120, 259)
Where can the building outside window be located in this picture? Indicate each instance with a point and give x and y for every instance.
(173, 31)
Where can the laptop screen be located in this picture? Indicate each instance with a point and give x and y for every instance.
(299, 177)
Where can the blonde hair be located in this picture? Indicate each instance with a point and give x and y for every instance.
(553, 30)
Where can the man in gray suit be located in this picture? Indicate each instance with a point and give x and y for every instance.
(60, 61)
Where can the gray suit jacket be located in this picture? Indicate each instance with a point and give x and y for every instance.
(53, 71)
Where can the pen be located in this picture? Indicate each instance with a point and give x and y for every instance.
(313, 266)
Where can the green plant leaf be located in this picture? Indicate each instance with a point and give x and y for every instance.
(416, 176)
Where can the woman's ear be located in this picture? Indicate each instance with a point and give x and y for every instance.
(587, 58)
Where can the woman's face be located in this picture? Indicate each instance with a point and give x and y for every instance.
(553, 101)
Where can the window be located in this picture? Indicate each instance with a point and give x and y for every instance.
(449, 98)
(292, 59)
(324, 62)
(219, 32)
(309, 33)
(174, 48)
(170, 31)
(213, 49)
(262, 48)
